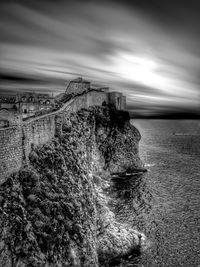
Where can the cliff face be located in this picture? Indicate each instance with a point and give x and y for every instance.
(55, 212)
(117, 140)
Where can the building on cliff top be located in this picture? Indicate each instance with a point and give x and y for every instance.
(95, 96)
(13, 109)
(77, 86)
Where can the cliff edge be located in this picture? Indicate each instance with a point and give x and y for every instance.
(54, 211)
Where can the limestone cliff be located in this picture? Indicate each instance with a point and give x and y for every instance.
(54, 211)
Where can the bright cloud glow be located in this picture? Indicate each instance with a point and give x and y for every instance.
(137, 68)
(146, 71)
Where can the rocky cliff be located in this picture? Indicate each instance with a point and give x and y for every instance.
(55, 211)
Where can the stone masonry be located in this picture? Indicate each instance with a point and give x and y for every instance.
(17, 141)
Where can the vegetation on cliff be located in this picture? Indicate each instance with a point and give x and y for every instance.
(54, 211)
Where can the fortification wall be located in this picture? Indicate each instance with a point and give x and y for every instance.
(38, 132)
(78, 103)
(123, 106)
(77, 87)
(96, 98)
(11, 151)
(115, 98)
(16, 142)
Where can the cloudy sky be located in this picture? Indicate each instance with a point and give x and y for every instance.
(149, 50)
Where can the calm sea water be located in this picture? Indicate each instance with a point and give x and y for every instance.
(165, 202)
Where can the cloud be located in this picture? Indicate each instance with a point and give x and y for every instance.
(109, 43)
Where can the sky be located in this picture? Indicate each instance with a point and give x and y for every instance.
(149, 50)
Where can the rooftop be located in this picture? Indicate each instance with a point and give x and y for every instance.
(79, 80)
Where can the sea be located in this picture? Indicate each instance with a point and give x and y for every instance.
(164, 203)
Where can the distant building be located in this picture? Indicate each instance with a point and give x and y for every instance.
(15, 108)
(30, 103)
(8, 102)
(9, 111)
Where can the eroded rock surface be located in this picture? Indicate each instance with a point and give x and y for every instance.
(54, 211)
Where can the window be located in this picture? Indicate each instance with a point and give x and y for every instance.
(15, 107)
(25, 110)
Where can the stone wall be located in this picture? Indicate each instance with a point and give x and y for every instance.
(77, 86)
(116, 99)
(11, 151)
(78, 103)
(96, 98)
(38, 131)
(16, 142)
(123, 103)
(10, 116)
